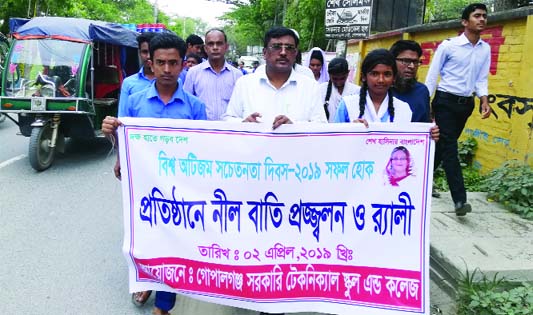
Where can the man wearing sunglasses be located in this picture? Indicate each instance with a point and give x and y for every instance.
(276, 94)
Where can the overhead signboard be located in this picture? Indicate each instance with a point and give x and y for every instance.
(348, 19)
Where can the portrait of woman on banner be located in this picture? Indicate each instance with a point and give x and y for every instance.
(400, 167)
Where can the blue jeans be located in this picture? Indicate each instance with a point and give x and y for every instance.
(165, 300)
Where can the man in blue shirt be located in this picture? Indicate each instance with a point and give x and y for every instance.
(164, 98)
(142, 79)
(406, 86)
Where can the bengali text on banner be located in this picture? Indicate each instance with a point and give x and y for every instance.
(329, 218)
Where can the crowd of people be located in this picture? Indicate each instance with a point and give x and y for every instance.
(177, 82)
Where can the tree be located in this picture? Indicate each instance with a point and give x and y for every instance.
(247, 23)
(442, 10)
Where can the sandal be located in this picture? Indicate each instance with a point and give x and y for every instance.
(140, 298)
(158, 311)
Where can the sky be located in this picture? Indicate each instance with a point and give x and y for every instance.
(205, 10)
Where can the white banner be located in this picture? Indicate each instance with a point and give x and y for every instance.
(330, 218)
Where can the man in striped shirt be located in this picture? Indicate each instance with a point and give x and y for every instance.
(213, 80)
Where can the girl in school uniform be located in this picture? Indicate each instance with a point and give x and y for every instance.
(375, 102)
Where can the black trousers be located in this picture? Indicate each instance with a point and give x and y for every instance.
(451, 113)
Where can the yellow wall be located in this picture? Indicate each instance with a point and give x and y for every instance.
(507, 133)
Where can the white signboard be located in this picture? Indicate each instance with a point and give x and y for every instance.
(348, 19)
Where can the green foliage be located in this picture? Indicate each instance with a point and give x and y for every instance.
(472, 178)
(442, 10)
(492, 296)
(308, 18)
(512, 185)
(247, 23)
(466, 151)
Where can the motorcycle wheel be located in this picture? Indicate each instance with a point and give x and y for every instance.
(40, 153)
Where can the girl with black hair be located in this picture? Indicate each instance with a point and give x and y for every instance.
(316, 61)
(375, 102)
(337, 86)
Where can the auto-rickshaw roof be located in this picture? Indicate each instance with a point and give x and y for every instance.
(75, 29)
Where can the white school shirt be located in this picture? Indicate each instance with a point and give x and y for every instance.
(298, 99)
(335, 97)
(463, 67)
(348, 110)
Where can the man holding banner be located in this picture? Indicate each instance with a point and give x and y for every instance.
(286, 96)
(164, 98)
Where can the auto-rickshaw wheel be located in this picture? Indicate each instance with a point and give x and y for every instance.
(40, 152)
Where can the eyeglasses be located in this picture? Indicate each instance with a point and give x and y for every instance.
(278, 47)
(407, 61)
(399, 159)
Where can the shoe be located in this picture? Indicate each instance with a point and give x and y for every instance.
(140, 298)
(435, 193)
(462, 208)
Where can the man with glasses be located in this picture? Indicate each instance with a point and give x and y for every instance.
(463, 64)
(277, 94)
(213, 80)
(406, 86)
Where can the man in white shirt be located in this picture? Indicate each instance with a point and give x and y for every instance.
(463, 64)
(337, 87)
(276, 94)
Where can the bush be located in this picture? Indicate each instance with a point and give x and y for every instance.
(512, 185)
(492, 297)
(472, 178)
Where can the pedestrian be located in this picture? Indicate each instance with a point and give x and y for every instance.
(164, 98)
(255, 64)
(213, 80)
(375, 102)
(406, 86)
(463, 64)
(142, 79)
(316, 61)
(195, 45)
(241, 68)
(276, 94)
(192, 60)
(337, 87)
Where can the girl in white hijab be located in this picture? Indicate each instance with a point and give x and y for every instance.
(316, 61)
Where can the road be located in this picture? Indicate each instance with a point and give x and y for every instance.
(61, 235)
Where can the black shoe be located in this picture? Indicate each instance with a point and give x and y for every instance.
(435, 193)
(462, 208)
